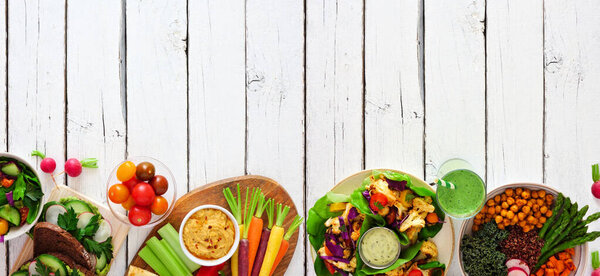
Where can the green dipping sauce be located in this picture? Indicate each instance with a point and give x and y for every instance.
(379, 247)
(466, 199)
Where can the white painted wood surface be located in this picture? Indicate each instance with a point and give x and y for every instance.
(304, 93)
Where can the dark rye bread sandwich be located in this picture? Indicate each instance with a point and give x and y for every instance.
(70, 239)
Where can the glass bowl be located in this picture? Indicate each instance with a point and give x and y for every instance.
(160, 169)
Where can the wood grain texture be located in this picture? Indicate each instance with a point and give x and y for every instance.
(515, 92)
(334, 96)
(275, 98)
(36, 84)
(572, 78)
(217, 81)
(157, 89)
(394, 97)
(96, 113)
(213, 194)
(455, 87)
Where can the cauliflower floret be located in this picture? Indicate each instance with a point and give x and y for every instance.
(428, 251)
(416, 216)
(400, 271)
(413, 233)
(422, 205)
(346, 266)
(334, 223)
(381, 186)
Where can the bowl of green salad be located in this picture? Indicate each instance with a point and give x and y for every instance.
(21, 196)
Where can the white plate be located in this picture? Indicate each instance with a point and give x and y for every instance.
(466, 229)
(444, 239)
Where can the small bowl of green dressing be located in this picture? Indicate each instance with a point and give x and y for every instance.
(379, 247)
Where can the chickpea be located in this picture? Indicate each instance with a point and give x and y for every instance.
(526, 229)
(531, 220)
(536, 208)
(522, 223)
(491, 203)
(514, 208)
(543, 209)
(498, 219)
(526, 209)
(479, 216)
(542, 219)
(521, 202)
(549, 198)
(484, 209)
(519, 190)
(537, 215)
(503, 212)
(509, 192)
(525, 195)
(475, 228)
(521, 215)
(530, 204)
(503, 197)
(549, 213)
(542, 193)
(477, 221)
(539, 225)
(491, 210)
(510, 214)
(514, 220)
(510, 201)
(498, 209)
(497, 199)
(504, 205)
(501, 226)
(539, 202)
(534, 194)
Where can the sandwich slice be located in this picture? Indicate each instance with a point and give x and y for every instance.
(52, 263)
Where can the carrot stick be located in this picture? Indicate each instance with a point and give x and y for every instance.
(275, 240)
(285, 244)
(264, 238)
(236, 211)
(255, 231)
(250, 207)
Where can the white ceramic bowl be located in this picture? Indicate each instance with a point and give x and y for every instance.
(16, 231)
(581, 251)
(221, 260)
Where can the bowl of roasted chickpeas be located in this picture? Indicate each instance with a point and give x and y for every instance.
(525, 205)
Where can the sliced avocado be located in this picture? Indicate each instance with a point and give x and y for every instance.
(10, 214)
(54, 264)
(79, 206)
(21, 273)
(100, 262)
(48, 204)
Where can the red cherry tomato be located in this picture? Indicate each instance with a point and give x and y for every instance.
(329, 267)
(128, 203)
(131, 183)
(118, 193)
(415, 272)
(378, 201)
(210, 270)
(143, 194)
(139, 215)
(159, 206)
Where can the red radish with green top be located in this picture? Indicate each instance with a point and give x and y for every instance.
(596, 178)
(264, 238)
(48, 165)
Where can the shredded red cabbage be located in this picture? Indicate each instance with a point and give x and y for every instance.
(345, 234)
(9, 197)
(396, 224)
(334, 248)
(352, 214)
(396, 185)
(367, 195)
(335, 259)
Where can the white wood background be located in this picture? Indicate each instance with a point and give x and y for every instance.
(304, 92)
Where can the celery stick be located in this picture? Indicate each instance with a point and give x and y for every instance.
(148, 256)
(178, 262)
(169, 234)
(158, 250)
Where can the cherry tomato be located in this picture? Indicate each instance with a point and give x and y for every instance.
(378, 201)
(118, 193)
(139, 215)
(143, 194)
(145, 171)
(329, 268)
(126, 171)
(128, 203)
(160, 184)
(415, 272)
(159, 205)
(24, 212)
(3, 227)
(131, 183)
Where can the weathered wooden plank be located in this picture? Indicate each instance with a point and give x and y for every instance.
(394, 99)
(3, 114)
(36, 64)
(334, 96)
(96, 110)
(454, 87)
(275, 98)
(157, 90)
(515, 85)
(572, 79)
(217, 81)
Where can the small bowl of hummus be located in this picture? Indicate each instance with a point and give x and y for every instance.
(209, 235)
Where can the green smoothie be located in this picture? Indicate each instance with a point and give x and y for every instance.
(466, 199)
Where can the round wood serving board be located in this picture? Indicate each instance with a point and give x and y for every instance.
(213, 194)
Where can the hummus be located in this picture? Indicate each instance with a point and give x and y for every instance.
(208, 234)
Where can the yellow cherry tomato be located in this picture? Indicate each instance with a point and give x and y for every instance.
(128, 203)
(3, 227)
(126, 171)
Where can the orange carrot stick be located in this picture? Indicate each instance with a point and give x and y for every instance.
(255, 231)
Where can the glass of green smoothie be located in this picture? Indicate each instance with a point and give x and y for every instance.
(467, 195)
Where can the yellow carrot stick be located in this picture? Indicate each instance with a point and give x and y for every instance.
(275, 240)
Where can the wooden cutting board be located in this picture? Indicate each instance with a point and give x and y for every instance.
(213, 194)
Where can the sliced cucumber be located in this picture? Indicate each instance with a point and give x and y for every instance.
(104, 231)
(79, 206)
(54, 264)
(100, 262)
(84, 219)
(52, 213)
(21, 273)
(10, 214)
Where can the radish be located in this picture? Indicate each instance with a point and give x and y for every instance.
(519, 264)
(596, 179)
(517, 271)
(32, 271)
(595, 263)
(48, 165)
(53, 211)
(104, 231)
(73, 167)
(84, 219)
